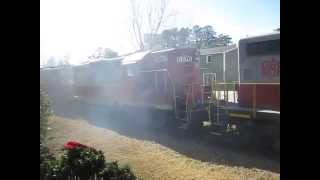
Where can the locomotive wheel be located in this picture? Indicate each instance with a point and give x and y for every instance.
(248, 137)
(194, 127)
(245, 139)
(158, 119)
(113, 114)
(118, 113)
(172, 124)
(276, 146)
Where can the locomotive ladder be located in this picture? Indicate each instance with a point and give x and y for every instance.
(190, 103)
(189, 97)
(214, 100)
(219, 102)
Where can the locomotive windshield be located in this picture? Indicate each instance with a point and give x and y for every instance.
(263, 48)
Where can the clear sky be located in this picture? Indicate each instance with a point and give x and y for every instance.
(77, 27)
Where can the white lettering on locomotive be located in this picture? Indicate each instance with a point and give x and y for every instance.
(184, 59)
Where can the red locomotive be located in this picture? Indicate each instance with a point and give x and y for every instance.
(256, 114)
(259, 60)
(259, 86)
(150, 80)
(169, 82)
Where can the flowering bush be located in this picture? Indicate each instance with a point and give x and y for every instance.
(73, 144)
(79, 160)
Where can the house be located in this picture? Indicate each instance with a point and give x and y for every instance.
(220, 64)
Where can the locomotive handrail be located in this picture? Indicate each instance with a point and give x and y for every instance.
(254, 101)
(173, 94)
(255, 82)
(271, 83)
(157, 70)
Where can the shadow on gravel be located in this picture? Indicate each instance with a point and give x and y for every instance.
(135, 125)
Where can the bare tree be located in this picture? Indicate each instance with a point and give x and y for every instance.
(156, 16)
(101, 53)
(51, 62)
(64, 61)
(136, 23)
(57, 61)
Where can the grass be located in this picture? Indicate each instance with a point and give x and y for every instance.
(149, 160)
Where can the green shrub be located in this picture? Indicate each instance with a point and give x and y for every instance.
(57, 171)
(114, 172)
(46, 158)
(45, 112)
(83, 162)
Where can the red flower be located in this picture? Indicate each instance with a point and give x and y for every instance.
(73, 145)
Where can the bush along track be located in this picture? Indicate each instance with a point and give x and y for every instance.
(78, 161)
(45, 113)
(82, 162)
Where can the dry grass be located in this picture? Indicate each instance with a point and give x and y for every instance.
(148, 159)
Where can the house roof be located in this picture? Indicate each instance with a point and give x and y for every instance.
(216, 50)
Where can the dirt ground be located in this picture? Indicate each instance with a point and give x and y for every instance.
(158, 155)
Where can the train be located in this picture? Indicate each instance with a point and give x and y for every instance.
(259, 87)
(169, 85)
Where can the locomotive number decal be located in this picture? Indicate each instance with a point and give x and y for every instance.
(184, 59)
(270, 68)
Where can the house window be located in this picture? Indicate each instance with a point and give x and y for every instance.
(212, 58)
